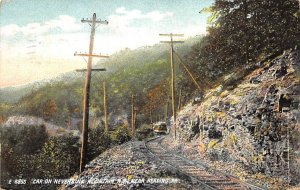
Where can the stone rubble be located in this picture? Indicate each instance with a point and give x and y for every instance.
(124, 167)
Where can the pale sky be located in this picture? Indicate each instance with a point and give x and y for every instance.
(38, 38)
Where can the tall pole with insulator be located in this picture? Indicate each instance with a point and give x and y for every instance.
(172, 83)
(85, 121)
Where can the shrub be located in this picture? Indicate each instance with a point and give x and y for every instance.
(19, 147)
(59, 157)
(120, 135)
(145, 131)
(99, 141)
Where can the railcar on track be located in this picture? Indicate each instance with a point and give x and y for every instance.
(160, 128)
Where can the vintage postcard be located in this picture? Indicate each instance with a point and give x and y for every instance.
(150, 94)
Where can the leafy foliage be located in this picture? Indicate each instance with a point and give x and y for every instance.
(145, 131)
(59, 157)
(50, 108)
(98, 142)
(24, 139)
(243, 32)
(120, 135)
(19, 147)
(157, 96)
(28, 153)
(59, 100)
(55, 102)
(240, 34)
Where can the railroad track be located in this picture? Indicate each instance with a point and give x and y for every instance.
(208, 179)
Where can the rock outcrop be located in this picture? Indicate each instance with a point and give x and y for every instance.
(255, 124)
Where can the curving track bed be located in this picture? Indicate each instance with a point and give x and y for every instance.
(207, 178)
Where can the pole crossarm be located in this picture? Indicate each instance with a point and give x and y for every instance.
(84, 70)
(97, 21)
(94, 22)
(171, 34)
(93, 55)
(171, 42)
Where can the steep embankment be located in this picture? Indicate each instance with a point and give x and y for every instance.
(252, 130)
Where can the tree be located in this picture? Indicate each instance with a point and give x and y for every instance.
(242, 32)
(50, 108)
(157, 97)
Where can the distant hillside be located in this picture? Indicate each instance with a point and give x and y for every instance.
(13, 94)
(144, 55)
(128, 72)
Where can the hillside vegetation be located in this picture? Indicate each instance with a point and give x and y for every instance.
(128, 72)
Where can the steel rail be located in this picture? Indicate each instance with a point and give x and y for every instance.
(207, 178)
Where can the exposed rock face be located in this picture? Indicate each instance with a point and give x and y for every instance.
(256, 123)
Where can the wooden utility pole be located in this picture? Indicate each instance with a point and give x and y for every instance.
(104, 93)
(104, 106)
(85, 121)
(151, 120)
(135, 115)
(179, 101)
(132, 116)
(166, 111)
(171, 42)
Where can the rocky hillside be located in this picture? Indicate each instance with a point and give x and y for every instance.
(252, 128)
